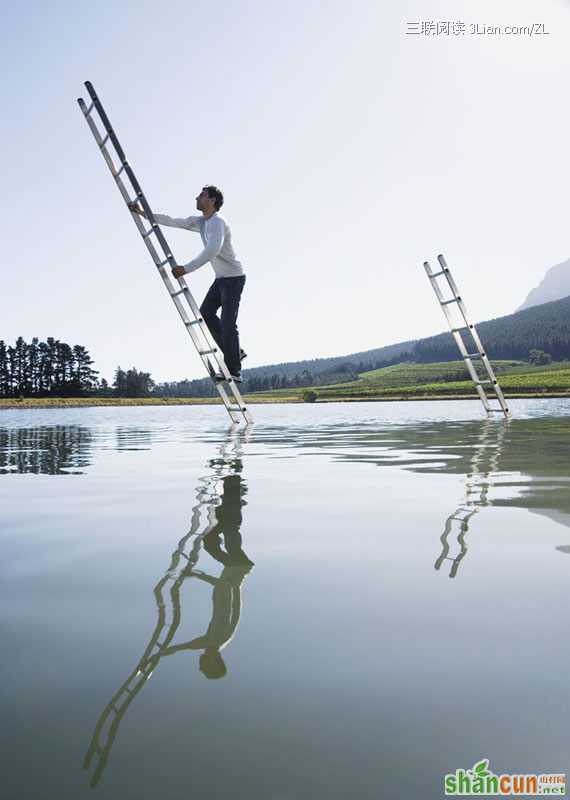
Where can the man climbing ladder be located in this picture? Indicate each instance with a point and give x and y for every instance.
(226, 290)
(160, 251)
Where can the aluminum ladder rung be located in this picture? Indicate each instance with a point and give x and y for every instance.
(473, 355)
(437, 274)
(447, 302)
(462, 328)
(228, 392)
(486, 381)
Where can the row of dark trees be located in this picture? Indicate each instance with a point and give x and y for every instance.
(55, 368)
(40, 369)
(203, 387)
(132, 383)
(539, 334)
(263, 379)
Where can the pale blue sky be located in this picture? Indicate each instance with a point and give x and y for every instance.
(348, 153)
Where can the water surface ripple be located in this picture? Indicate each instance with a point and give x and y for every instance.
(344, 599)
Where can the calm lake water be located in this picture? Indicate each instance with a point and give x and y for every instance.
(347, 601)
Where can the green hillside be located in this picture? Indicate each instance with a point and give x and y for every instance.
(545, 327)
(449, 378)
(411, 373)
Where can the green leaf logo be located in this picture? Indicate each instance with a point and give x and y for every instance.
(480, 768)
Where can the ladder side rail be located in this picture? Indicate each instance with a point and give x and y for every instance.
(460, 304)
(475, 336)
(488, 368)
(501, 398)
(164, 244)
(155, 229)
(478, 343)
(129, 171)
(162, 240)
(445, 544)
(447, 272)
(458, 339)
(140, 197)
(208, 496)
(139, 194)
(233, 413)
(211, 345)
(114, 710)
(490, 371)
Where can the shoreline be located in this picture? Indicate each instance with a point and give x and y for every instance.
(93, 402)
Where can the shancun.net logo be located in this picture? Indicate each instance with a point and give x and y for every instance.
(480, 781)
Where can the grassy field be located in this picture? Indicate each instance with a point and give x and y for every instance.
(79, 402)
(447, 379)
(451, 378)
(414, 381)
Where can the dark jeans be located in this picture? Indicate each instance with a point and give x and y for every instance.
(225, 292)
(228, 523)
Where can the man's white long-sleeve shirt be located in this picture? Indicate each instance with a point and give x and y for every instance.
(217, 238)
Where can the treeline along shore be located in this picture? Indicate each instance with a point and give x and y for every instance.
(529, 349)
(405, 381)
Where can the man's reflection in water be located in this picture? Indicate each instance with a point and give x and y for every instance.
(215, 527)
(226, 597)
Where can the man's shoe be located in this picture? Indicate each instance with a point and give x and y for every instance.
(221, 379)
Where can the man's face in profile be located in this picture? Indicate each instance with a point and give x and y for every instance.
(203, 201)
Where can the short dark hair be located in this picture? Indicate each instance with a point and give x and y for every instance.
(215, 194)
(212, 665)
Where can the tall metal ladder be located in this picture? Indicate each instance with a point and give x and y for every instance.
(480, 354)
(207, 348)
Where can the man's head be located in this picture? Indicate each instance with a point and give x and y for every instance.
(212, 664)
(209, 200)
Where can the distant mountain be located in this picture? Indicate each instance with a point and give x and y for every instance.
(554, 286)
(544, 327)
